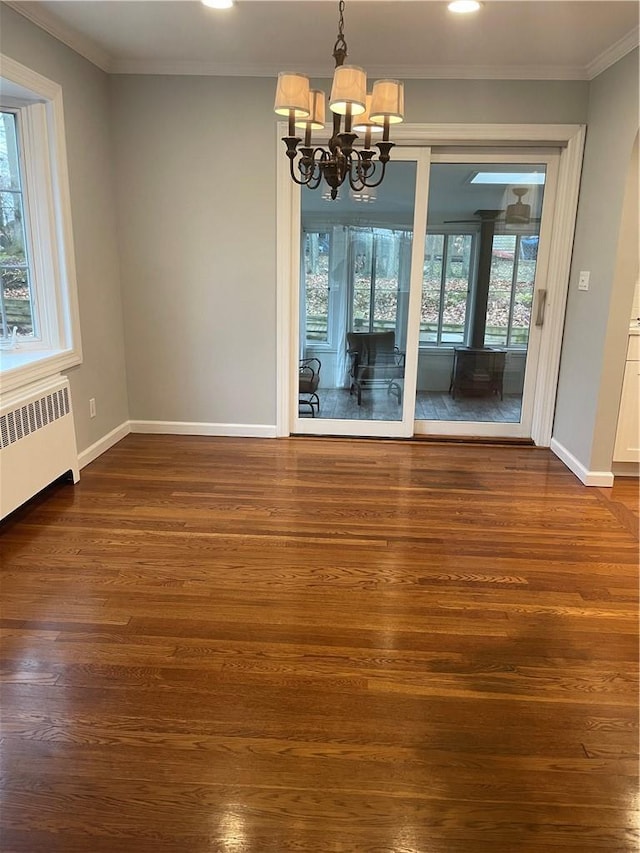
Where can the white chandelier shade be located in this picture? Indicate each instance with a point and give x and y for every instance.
(292, 95)
(316, 118)
(349, 90)
(364, 123)
(387, 101)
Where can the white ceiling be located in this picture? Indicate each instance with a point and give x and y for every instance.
(510, 39)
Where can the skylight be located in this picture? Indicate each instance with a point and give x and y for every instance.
(519, 178)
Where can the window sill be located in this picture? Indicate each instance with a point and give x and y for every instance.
(23, 367)
(449, 348)
(321, 346)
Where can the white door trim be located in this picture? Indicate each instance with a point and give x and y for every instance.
(560, 252)
(570, 138)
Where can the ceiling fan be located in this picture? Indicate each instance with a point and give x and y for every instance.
(517, 213)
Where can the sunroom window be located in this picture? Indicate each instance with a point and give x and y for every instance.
(316, 281)
(446, 286)
(513, 269)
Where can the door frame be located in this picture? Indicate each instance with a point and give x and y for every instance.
(569, 138)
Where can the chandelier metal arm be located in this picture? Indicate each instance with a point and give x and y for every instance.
(310, 177)
(362, 183)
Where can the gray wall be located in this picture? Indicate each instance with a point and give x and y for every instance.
(196, 215)
(90, 155)
(497, 101)
(594, 344)
(195, 162)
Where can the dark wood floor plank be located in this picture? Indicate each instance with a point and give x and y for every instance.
(317, 645)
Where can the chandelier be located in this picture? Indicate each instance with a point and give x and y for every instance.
(364, 113)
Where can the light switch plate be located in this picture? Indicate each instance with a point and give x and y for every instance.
(583, 280)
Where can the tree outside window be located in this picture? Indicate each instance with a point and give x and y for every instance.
(16, 304)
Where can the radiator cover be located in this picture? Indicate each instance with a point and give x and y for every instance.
(37, 441)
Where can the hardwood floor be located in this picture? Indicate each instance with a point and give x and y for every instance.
(243, 645)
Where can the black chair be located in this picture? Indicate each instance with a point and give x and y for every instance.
(376, 361)
(308, 381)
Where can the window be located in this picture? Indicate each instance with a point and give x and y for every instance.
(16, 304)
(39, 324)
(380, 274)
(377, 261)
(370, 270)
(445, 288)
(513, 269)
(316, 279)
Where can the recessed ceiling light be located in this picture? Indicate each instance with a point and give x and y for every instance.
(217, 4)
(463, 7)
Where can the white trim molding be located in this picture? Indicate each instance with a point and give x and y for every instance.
(589, 478)
(287, 213)
(455, 134)
(103, 444)
(561, 250)
(211, 68)
(63, 32)
(172, 428)
(197, 428)
(612, 54)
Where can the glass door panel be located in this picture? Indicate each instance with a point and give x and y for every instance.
(478, 288)
(355, 282)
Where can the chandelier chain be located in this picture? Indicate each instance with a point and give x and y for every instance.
(340, 47)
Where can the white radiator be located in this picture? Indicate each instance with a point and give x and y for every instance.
(37, 441)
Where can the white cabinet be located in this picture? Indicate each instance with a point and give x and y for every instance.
(627, 447)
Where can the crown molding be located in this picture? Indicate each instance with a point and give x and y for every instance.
(427, 72)
(78, 42)
(97, 55)
(612, 54)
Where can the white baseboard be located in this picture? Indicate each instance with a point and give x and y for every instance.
(172, 428)
(589, 478)
(195, 428)
(103, 444)
(626, 469)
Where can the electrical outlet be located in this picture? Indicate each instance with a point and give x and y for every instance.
(583, 280)
(92, 407)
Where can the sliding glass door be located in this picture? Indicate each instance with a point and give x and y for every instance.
(483, 292)
(360, 268)
(420, 304)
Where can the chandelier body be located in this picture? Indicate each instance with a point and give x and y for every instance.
(340, 161)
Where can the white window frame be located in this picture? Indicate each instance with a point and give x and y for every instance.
(325, 346)
(451, 231)
(38, 104)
